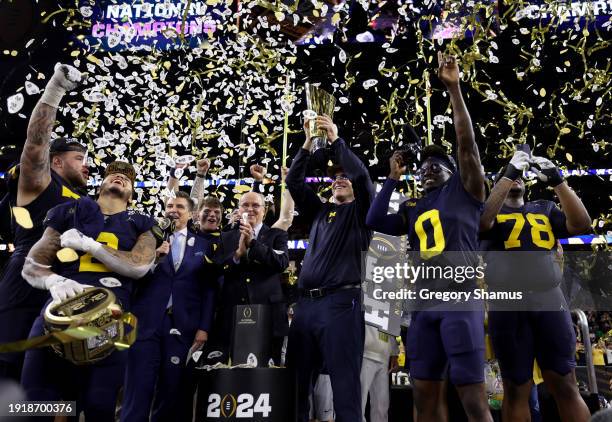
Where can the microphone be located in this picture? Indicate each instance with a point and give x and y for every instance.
(168, 225)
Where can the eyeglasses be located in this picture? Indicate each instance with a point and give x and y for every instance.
(433, 168)
(341, 177)
(246, 206)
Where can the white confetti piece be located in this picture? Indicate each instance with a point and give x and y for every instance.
(14, 103)
(185, 159)
(169, 161)
(369, 83)
(113, 39)
(309, 114)
(31, 88)
(86, 11)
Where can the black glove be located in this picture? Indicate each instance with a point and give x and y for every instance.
(546, 171)
(518, 163)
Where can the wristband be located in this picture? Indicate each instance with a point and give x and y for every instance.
(512, 172)
(53, 94)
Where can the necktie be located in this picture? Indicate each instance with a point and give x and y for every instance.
(175, 249)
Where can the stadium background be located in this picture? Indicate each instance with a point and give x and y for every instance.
(533, 71)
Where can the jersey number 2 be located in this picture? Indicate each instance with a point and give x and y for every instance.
(86, 265)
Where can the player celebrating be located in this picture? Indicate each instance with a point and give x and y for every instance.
(47, 175)
(509, 223)
(124, 250)
(445, 219)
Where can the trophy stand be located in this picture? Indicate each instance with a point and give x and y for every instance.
(249, 390)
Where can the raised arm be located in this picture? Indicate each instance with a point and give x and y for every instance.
(35, 173)
(495, 201)
(133, 264)
(306, 199)
(174, 178)
(198, 190)
(577, 217)
(377, 218)
(468, 156)
(37, 268)
(287, 206)
(258, 174)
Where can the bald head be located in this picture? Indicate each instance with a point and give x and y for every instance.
(253, 204)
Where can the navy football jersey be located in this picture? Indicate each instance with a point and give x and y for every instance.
(59, 191)
(118, 231)
(446, 219)
(535, 227)
(443, 226)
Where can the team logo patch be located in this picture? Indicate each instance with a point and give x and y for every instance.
(174, 332)
(110, 282)
(175, 360)
(191, 241)
(331, 216)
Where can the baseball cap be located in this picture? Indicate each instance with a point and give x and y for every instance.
(121, 167)
(439, 152)
(59, 145)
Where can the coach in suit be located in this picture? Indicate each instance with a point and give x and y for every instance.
(253, 256)
(175, 308)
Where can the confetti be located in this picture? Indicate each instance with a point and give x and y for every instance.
(67, 255)
(309, 114)
(22, 217)
(370, 83)
(31, 88)
(14, 103)
(185, 159)
(228, 99)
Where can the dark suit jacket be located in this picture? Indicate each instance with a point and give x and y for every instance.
(192, 287)
(256, 279)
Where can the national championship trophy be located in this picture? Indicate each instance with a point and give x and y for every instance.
(318, 102)
(97, 317)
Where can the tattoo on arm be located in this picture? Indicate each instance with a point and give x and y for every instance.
(35, 162)
(43, 251)
(197, 190)
(37, 266)
(143, 252)
(41, 124)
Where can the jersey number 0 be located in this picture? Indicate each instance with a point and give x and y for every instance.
(439, 243)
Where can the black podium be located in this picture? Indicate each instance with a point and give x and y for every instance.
(251, 335)
(246, 394)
